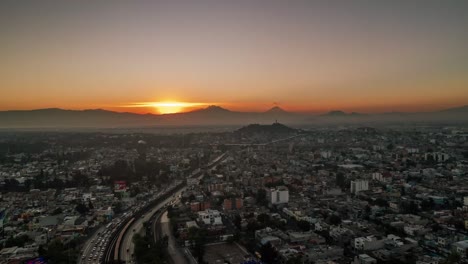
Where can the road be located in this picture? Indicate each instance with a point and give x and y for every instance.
(174, 252)
(86, 252)
(127, 242)
(126, 247)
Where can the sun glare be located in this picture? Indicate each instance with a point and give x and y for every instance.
(168, 107)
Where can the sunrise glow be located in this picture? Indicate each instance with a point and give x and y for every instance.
(168, 107)
(310, 56)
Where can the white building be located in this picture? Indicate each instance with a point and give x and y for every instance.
(359, 185)
(377, 176)
(326, 154)
(461, 247)
(280, 195)
(368, 243)
(412, 150)
(210, 217)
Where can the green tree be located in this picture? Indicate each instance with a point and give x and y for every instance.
(268, 253)
(261, 197)
(197, 238)
(340, 179)
(453, 258)
(57, 211)
(81, 209)
(263, 219)
(334, 219)
(237, 221)
(303, 225)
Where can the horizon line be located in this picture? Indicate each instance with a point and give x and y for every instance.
(112, 109)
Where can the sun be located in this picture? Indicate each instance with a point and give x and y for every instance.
(170, 107)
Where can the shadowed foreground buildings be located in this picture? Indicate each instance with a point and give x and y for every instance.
(336, 195)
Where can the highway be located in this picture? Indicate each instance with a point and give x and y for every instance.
(112, 248)
(137, 225)
(121, 237)
(175, 253)
(127, 243)
(87, 250)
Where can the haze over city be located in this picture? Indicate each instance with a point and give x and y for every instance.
(177, 56)
(234, 132)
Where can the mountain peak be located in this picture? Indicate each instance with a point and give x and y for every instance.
(215, 108)
(276, 109)
(275, 128)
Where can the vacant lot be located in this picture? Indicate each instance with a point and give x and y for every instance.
(219, 253)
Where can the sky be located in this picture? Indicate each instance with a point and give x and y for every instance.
(307, 56)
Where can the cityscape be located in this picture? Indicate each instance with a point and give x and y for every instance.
(259, 194)
(234, 132)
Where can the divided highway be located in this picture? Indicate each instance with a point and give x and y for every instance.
(120, 247)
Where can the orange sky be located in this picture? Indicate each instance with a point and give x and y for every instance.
(303, 56)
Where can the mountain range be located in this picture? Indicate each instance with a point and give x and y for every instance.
(213, 116)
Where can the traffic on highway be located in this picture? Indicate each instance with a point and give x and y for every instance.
(98, 248)
(106, 245)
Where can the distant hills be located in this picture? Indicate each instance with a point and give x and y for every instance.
(212, 116)
(273, 129)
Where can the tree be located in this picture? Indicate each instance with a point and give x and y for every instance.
(237, 221)
(118, 208)
(295, 260)
(268, 253)
(148, 251)
(57, 211)
(264, 219)
(335, 219)
(18, 241)
(197, 238)
(81, 209)
(368, 209)
(403, 191)
(57, 252)
(453, 258)
(340, 179)
(427, 204)
(261, 197)
(381, 202)
(303, 225)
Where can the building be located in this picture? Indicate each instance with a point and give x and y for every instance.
(359, 186)
(368, 243)
(280, 195)
(465, 201)
(436, 156)
(210, 217)
(200, 206)
(461, 247)
(233, 204)
(364, 259)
